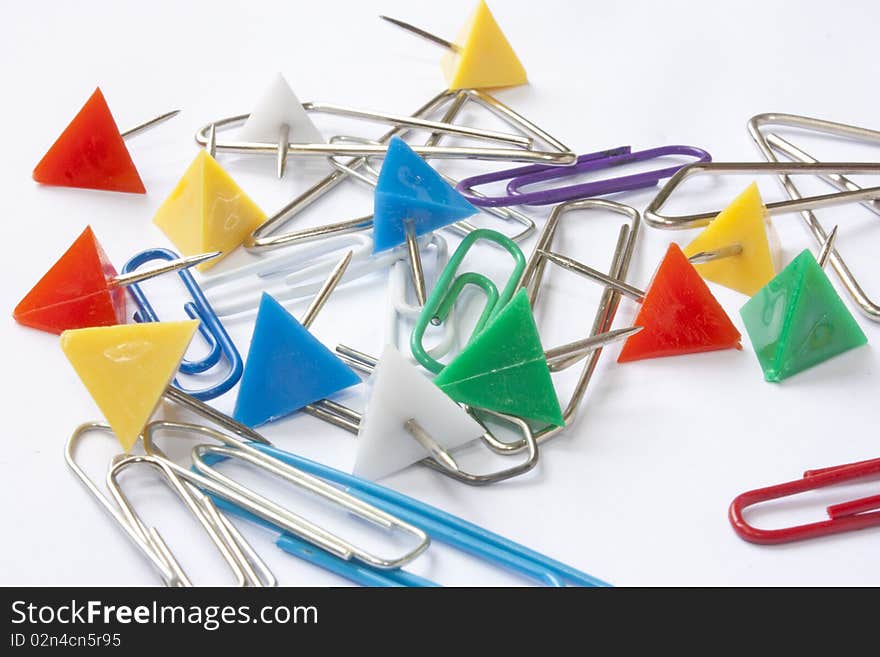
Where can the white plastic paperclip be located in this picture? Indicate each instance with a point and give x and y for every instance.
(400, 309)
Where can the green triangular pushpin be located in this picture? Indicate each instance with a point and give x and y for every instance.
(504, 370)
(797, 320)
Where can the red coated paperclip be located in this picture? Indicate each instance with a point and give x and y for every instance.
(844, 517)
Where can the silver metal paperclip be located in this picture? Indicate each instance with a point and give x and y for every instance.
(209, 479)
(772, 143)
(247, 566)
(532, 277)
(266, 236)
(521, 154)
(657, 220)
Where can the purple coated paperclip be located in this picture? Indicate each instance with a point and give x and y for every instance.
(520, 177)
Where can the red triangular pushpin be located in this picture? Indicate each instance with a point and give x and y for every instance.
(82, 289)
(90, 153)
(679, 314)
(75, 292)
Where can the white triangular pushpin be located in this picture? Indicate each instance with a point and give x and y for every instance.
(279, 106)
(400, 393)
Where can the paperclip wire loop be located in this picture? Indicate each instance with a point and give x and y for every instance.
(445, 527)
(467, 185)
(210, 326)
(533, 275)
(771, 143)
(609, 186)
(439, 525)
(450, 285)
(529, 175)
(524, 154)
(848, 516)
(657, 220)
(209, 522)
(240, 556)
(265, 237)
(210, 480)
(527, 442)
(157, 559)
(354, 572)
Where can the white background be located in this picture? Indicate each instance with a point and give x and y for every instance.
(636, 490)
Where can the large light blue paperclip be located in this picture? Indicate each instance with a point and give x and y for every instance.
(439, 525)
(219, 343)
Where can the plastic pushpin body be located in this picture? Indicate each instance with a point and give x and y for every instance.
(207, 211)
(127, 368)
(679, 315)
(408, 189)
(279, 106)
(75, 292)
(90, 153)
(503, 369)
(398, 393)
(797, 320)
(745, 223)
(286, 368)
(483, 57)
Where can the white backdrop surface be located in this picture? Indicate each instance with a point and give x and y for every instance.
(636, 490)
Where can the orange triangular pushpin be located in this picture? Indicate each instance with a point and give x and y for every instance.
(126, 368)
(90, 153)
(75, 292)
(82, 288)
(743, 226)
(679, 315)
(483, 56)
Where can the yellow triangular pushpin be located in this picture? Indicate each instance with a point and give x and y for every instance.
(207, 211)
(127, 367)
(483, 56)
(744, 223)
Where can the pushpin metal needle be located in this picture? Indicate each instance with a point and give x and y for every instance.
(146, 125)
(209, 413)
(579, 268)
(211, 146)
(435, 449)
(326, 290)
(283, 147)
(415, 261)
(433, 38)
(715, 254)
(163, 268)
(587, 345)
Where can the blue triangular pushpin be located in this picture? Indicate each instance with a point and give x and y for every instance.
(286, 368)
(409, 189)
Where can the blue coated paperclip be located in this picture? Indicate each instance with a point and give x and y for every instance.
(520, 177)
(220, 345)
(439, 525)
